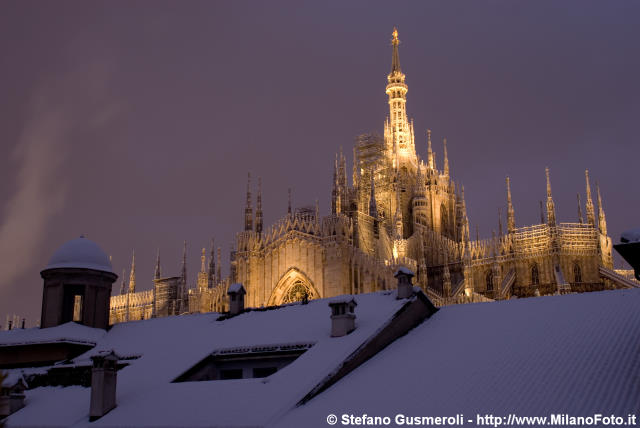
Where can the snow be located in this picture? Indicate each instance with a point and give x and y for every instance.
(575, 354)
(80, 253)
(167, 347)
(236, 288)
(56, 406)
(632, 235)
(12, 378)
(347, 298)
(69, 332)
(403, 270)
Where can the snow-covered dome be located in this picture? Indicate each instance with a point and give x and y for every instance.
(80, 253)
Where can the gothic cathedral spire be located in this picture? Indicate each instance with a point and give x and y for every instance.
(132, 274)
(465, 231)
(248, 211)
(580, 218)
(373, 209)
(591, 216)
(604, 241)
(429, 151)
(258, 210)
(183, 292)
(602, 221)
(551, 210)
(395, 60)
(218, 266)
(511, 216)
(399, 220)
(211, 272)
(156, 274)
(203, 275)
(399, 133)
(123, 284)
(183, 271)
(336, 196)
(446, 158)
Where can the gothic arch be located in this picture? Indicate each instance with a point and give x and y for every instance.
(535, 274)
(292, 287)
(577, 272)
(489, 280)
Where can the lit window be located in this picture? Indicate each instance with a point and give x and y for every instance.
(77, 308)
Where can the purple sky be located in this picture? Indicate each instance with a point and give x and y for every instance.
(135, 123)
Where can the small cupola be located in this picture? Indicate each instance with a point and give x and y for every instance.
(405, 288)
(343, 317)
(236, 294)
(103, 384)
(77, 285)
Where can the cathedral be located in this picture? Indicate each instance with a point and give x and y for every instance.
(397, 211)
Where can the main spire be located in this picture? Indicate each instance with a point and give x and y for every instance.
(395, 60)
(398, 132)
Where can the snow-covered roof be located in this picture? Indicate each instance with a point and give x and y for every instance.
(347, 298)
(69, 332)
(236, 287)
(80, 253)
(403, 270)
(167, 347)
(632, 235)
(575, 354)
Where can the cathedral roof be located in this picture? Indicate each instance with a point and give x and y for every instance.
(80, 253)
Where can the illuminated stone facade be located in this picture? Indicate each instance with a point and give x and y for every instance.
(399, 210)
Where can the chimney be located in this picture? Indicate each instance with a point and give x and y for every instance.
(4, 406)
(343, 318)
(405, 288)
(12, 398)
(103, 384)
(236, 298)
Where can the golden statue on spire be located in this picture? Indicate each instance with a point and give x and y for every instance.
(395, 39)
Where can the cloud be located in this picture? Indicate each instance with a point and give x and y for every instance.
(59, 109)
